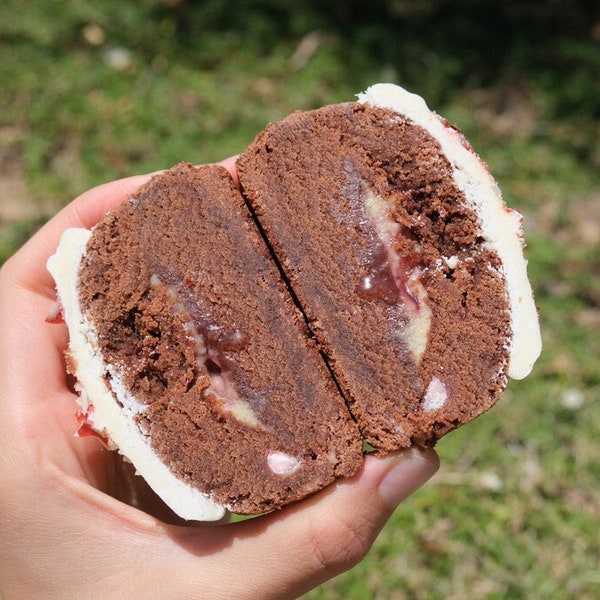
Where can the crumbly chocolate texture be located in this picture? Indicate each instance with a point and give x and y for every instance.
(193, 316)
(350, 275)
(337, 192)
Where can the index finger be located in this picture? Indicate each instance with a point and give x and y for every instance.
(28, 265)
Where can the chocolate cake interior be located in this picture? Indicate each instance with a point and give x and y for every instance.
(383, 254)
(345, 295)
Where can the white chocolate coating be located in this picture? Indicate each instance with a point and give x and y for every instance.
(98, 400)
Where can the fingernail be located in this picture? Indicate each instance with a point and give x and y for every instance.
(410, 470)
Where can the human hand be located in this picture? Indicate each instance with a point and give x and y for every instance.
(74, 523)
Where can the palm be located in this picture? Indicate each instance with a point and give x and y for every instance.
(53, 504)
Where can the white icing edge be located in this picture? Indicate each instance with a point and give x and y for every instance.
(106, 416)
(500, 229)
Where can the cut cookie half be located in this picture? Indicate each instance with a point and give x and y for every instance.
(403, 257)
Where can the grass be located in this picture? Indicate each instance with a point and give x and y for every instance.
(94, 91)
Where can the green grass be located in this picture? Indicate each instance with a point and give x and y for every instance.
(514, 510)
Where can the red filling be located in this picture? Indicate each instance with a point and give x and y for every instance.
(55, 315)
(381, 283)
(85, 429)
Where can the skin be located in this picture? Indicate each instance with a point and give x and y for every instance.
(75, 522)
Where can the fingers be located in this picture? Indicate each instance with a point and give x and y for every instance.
(334, 534)
(288, 553)
(28, 266)
(229, 164)
(283, 554)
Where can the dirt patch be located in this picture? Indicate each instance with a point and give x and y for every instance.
(14, 200)
(585, 219)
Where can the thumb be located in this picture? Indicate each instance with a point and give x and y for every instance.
(290, 552)
(343, 525)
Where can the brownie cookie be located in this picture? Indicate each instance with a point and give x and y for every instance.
(366, 284)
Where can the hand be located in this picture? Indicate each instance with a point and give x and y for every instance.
(74, 523)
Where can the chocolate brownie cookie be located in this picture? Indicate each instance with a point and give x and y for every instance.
(366, 284)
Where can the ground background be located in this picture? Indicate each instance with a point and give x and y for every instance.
(90, 91)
